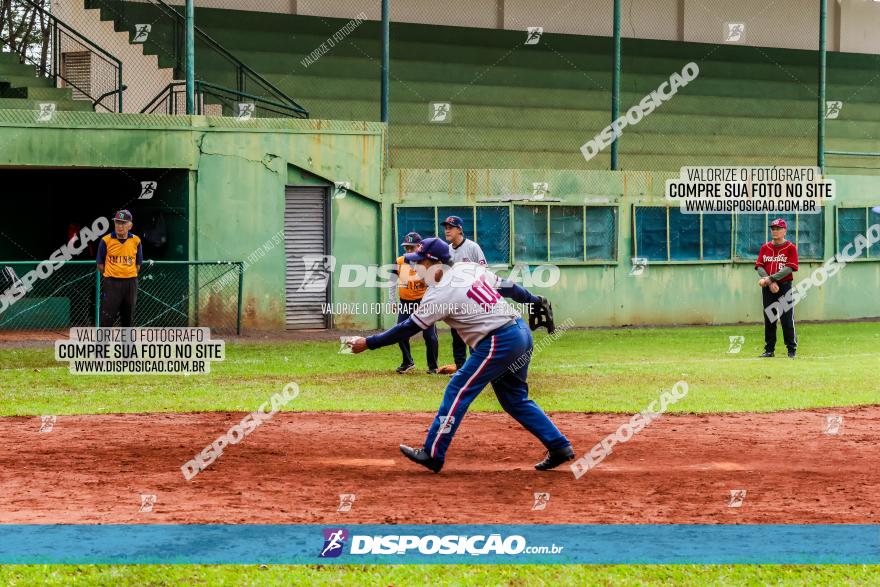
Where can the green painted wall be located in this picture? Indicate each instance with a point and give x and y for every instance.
(688, 293)
(238, 171)
(237, 175)
(240, 202)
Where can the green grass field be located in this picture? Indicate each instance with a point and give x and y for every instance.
(582, 371)
(586, 371)
(440, 575)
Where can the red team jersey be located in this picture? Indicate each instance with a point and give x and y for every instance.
(773, 258)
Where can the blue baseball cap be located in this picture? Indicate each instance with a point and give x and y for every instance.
(411, 238)
(452, 221)
(431, 248)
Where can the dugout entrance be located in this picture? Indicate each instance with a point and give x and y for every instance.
(44, 208)
(307, 262)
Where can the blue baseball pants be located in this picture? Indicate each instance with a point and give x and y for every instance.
(502, 359)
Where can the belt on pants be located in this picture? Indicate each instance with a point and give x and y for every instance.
(507, 324)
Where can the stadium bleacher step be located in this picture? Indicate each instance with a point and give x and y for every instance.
(125, 16)
(22, 89)
(514, 105)
(37, 93)
(19, 81)
(11, 66)
(62, 105)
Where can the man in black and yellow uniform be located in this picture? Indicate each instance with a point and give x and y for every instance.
(411, 288)
(119, 260)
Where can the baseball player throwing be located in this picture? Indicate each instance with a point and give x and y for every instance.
(468, 297)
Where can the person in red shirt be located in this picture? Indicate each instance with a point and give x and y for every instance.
(777, 261)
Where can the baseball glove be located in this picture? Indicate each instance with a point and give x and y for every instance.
(542, 315)
(447, 369)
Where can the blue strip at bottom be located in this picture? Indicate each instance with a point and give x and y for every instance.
(436, 544)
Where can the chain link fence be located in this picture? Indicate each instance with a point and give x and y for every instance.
(63, 300)
(503, 84)
(754, 98)
(497, 84)
(170, 293)
(223, 80)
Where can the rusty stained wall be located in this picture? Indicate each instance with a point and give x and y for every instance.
(240, 207)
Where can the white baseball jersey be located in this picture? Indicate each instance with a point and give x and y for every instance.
(468, 252)
(467, 299)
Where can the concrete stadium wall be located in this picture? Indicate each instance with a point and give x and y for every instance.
(681, 293)
(793, 24)
(238, 172)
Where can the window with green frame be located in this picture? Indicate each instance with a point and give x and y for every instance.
(852, 222)
(561, 233)
(806, 231)
(488, 225)
(665, 234)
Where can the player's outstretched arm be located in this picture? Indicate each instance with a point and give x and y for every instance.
(539, 309)
(394, 335)
(517, 293)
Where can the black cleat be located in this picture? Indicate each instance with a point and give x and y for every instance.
(555, 458)
(431, 371)
(404, 368)
(792, 355)
(418, 455)
(766, 355)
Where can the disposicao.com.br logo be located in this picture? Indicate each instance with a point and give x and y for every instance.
(334, 542)
(453, 544)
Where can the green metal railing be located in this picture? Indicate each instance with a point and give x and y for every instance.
(212, 99)
(170, 293)
(175, 44)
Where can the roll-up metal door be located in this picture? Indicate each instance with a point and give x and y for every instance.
(307, 278)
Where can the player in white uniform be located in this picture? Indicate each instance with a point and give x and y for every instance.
(467, 297)
(462, 250)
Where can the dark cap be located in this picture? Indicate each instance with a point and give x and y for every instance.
(452, 221)
(411, 238)
(431, 248)
(778, 223)
(123, 216)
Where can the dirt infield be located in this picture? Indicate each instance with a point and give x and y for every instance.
(93, 469)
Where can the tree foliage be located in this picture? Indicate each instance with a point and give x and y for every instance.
(25, 31)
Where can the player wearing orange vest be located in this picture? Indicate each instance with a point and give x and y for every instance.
(120, 256)
(411, 288)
